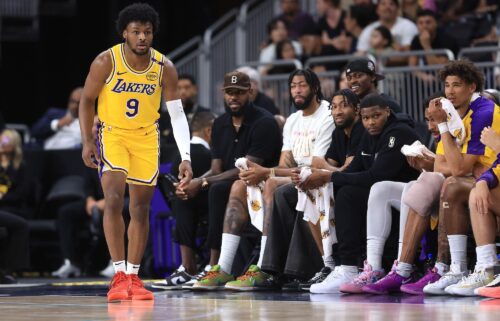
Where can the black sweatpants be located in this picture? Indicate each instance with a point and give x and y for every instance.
(14, 253)
(290, 247)
(218, 196)
(350, 222)
(71, 220)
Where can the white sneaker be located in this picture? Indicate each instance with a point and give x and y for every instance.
(108, 271)
(189, 284)
(438, 287)
(66, 270)
(468, 284)
(334, 280)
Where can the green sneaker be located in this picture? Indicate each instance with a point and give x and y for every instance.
(253, 279)
(214, 280)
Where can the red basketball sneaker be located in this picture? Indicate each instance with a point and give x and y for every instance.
(137, 290)
(119, 287)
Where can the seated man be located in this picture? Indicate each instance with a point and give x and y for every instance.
(59, 128)
(384, 196)
(244, 130)
(378, 158)
(307, 133)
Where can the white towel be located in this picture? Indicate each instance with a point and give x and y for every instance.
(255, 201)
(417, 149)
(317, 205)
(455, 124)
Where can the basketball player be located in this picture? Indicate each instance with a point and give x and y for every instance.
(130, 81)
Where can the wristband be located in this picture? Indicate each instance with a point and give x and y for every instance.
(443, 128)
(272, 173)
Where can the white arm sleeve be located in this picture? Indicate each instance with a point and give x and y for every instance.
(180, 127)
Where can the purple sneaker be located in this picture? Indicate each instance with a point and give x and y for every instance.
(368, 276)
(390, 283)
(417, 288)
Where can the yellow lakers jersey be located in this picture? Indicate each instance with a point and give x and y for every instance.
(482, 113)
(130, 99)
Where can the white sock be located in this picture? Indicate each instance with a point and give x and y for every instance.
(441, 268)
(404, 269)
(329, 261)
(400, 249)
(458, 249)
(349, 269)
(486, 256)
(228, 249)
(133, 268)
(263, 241)
(374, 252)
(120, 266)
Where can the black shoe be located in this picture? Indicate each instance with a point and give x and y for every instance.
(175, 281)
(317, 278)
(7, 279)
(293, 285)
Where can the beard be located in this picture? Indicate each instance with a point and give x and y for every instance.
(135, 51)
(347, 123)
(237, 113)
(305, 104)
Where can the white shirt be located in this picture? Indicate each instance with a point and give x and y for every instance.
(268, 53)
(402, 32)
(199, 140)
(308, 136)
(67, 137)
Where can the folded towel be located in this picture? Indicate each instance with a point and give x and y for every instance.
(417, 149)
(317, 205)
(455, 124)
(255, 201)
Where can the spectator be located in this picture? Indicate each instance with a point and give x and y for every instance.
(343, 84)
(410, 9)
(430, 37)
(276, 30)
(357, 18)
(59, 128)
(402, 29)
(380, 41)
(258, 97)
(311, 43)
(188, 91)
(13, 192)
(332, 26)
(294, 17)
(284, 51)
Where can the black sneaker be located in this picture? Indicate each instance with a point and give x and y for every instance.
(175, 281)
(189, 284)
(293, 285)
(317, 278)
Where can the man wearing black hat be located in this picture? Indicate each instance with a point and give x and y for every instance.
(244, 130)
(362, 78)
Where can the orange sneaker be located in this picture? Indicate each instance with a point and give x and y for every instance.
(137, 290)
(119, 287)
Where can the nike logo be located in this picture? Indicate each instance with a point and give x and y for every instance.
(121, 73)
(406, 281)
(365, 154)
(178, 280)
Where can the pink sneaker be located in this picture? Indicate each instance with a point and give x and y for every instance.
(368, 276)
(416, 288)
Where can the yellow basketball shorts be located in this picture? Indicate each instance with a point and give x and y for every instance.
(135, 152)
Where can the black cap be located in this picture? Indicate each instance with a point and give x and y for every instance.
(362, 65)
(237, 80)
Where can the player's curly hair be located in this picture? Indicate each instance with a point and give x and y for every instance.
(141, 12)
(311, 79)
(465, 70)
(349, 96)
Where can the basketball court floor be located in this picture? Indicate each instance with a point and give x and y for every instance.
(44, 300)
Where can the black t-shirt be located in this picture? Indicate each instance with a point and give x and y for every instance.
(264, 101)
(259, 136)
(166, 131)
(332, 32)
(343, 146)
(442, 41)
